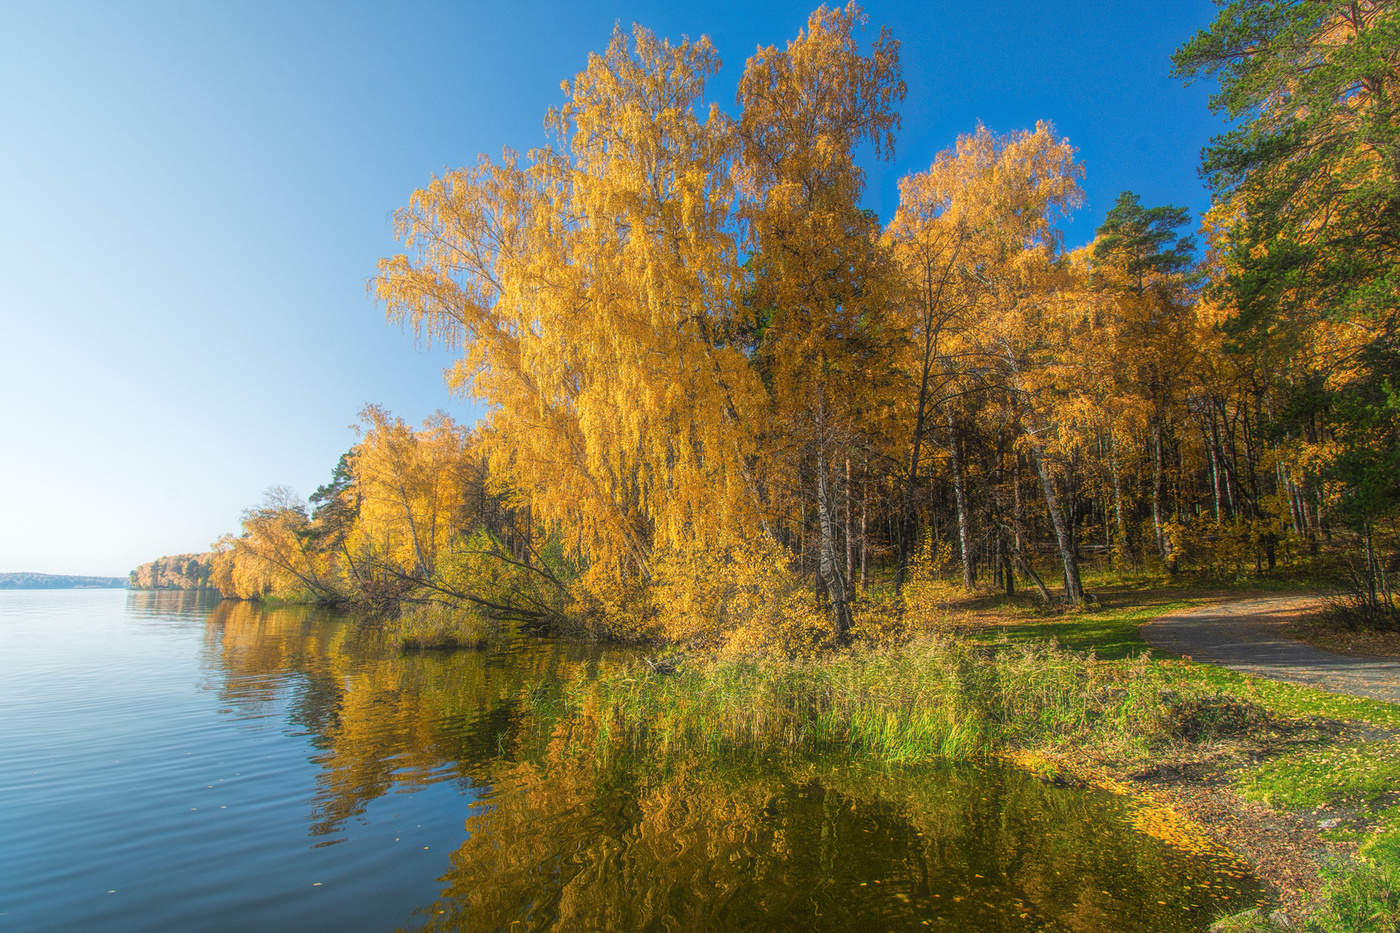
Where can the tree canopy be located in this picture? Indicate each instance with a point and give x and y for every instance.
(727, 403)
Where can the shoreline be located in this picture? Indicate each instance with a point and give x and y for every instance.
(1277, 776)
(1197, 786)
(1281, 849)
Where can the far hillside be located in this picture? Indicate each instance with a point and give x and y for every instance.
(56, 581)
(173, 572)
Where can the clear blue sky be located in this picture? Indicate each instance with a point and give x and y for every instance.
(192, 196)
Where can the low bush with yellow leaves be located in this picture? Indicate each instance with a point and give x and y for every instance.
(1234, 549)
(441, 625)
(737, 602)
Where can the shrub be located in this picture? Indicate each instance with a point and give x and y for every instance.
(739, 602)
(437, 625)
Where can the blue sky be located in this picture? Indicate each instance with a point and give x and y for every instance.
(192, 197)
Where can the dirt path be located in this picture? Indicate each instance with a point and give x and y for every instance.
(1246, 635)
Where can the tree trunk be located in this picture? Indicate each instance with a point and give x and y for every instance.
(904, 542)
(1124, 546)
(1372, 603)
(1214, 472)
(1073, 510)
(828, 566)
(1163, 545)
(1229, 463)
(969, 573)
(864, 510)
(413, 532)
(1074, 591)
(850, 543)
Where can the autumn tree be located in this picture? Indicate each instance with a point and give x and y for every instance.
(412, 488)
(1307, 205)
(1003, 196)
(819, 269)
(276, 554)
(721, 394)
(1141, 265)
(592, 293)
(928, 235)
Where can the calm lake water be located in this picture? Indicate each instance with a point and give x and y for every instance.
(167, 763)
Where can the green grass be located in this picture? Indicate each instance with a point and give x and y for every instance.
(1109, 633)
(1331, 774)
(1339, 772)
(1365, 899)
(1354, 780)
(1297, 701)
(1284, 579)
(1113, 629)
(936, 697)
(1115, 632)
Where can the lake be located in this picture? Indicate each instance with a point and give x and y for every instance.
(172, 762)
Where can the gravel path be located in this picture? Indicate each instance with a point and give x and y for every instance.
(1247, 636)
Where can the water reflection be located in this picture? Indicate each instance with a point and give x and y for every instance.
(557, 843)
(380, 718)
(831, 848)
(169, 604)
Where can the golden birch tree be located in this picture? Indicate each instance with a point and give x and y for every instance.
(592, 293)
(818, 261)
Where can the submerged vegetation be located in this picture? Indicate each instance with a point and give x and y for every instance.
(440, 626)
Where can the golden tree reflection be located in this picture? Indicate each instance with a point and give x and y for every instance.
(559, 845)
(559, 842)
(381, 718)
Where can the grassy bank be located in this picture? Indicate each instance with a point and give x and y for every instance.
(935, 697)
(1005, 682)
(1332, 762)
(1351, 787)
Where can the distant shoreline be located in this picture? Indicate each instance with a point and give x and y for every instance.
(58, 581)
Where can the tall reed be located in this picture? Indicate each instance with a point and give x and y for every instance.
(931, 698)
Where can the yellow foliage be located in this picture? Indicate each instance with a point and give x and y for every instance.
(592, 292)
(413, 490)
(743, 601)
(713, 378)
